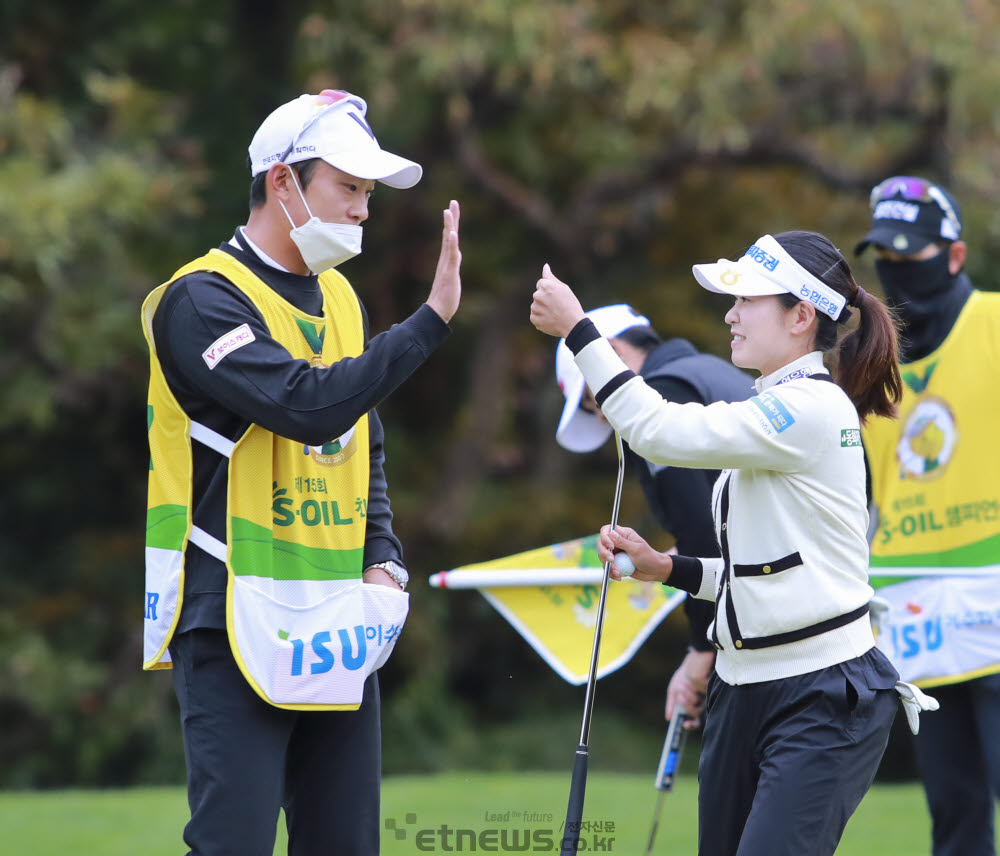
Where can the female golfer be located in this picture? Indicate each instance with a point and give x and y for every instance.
(799, 709)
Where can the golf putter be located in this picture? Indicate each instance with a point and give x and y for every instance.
(578, 784)
(666, 770)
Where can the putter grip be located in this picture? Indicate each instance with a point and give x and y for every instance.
(574, 811)
(673, 746)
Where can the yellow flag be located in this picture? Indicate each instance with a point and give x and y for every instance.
(550, 595)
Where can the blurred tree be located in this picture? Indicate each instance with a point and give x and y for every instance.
(91, 193)
(619, 140)
(84, 212)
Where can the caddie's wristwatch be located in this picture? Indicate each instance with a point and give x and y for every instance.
(395, 570)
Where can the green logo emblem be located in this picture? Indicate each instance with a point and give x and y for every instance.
(915, 382)
(313, 335)
(850, 437)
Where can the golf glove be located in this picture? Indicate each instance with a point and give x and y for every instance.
(914, 701)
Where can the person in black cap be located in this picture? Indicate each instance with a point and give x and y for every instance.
(936, 490)
(916, 231)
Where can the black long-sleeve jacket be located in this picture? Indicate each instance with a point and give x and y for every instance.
(262, 384)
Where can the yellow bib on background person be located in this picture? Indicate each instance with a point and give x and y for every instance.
(936, 483)
(304, 629)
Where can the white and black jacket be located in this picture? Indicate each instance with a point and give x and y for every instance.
(791, 588)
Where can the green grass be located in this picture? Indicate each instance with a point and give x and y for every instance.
(149, 821)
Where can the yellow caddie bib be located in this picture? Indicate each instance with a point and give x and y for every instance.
(935, 476)
(936, 483)
(304, 630)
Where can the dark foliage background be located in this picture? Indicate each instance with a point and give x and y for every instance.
(619, 140)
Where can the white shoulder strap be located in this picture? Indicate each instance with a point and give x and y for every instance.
(213, 439)
(224, 446)
(209, 543)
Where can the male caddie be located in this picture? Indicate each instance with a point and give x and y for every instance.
(936, 485)
(274, 580)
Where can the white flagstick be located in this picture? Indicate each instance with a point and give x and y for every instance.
(513, 577)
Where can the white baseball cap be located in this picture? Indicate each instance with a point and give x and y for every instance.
(580, 431)
(331, 126)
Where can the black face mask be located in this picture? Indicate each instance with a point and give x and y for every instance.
(928, 299)
(915, 285)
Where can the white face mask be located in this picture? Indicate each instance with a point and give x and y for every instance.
(323, 245)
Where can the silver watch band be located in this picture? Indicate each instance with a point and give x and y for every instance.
(395, 570)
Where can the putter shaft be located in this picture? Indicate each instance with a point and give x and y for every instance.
(588, 702)
(578, 784)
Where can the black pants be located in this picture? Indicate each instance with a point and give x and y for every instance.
(247, 759)
(958, 752)
(785, 763)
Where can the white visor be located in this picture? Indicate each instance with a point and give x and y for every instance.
(766, 268)
(580, 430)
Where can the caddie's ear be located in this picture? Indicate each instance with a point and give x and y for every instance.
(956, 257)
(281, 183)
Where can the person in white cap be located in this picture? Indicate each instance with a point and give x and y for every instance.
(273, 577)
(680, 499)
(801, 702)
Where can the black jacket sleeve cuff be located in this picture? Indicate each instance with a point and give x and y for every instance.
(582, 335)
(431, 330)
(382, 548)
(686, 574)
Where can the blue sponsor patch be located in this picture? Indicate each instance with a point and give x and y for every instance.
(774, 411)
(805, 371)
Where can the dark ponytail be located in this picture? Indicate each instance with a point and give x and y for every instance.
(866, 364)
